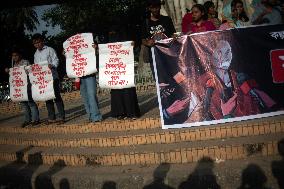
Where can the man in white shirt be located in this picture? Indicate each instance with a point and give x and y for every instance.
(47, 55)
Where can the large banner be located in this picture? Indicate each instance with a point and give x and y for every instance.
(18, 84)
(116, 65)
(80, 55)
(42, 82)
(220, 76)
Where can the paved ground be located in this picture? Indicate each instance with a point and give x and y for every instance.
(250, 173)
(75, 112)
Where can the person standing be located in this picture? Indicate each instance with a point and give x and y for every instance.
(157, 27)
(30, 108)
(88, 90)
(199, 20)
(124, 102)
(47, 54)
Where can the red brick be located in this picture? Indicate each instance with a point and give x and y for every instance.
(250, 130)
(189, 155)
(183, 156)
(278, 127)
(229, 131)
(223, 132)
(218, 133)
(229, 152)
(194, 154)
(197, 135)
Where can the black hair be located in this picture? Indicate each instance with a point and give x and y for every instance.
(154, 2)
(207, 5)
(17, 50)
(243, 15)
(37, 36)
(202, 9)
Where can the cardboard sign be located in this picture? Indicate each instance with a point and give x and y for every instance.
(18, 84)
(80, 55)
(116, 65)
(42, 82)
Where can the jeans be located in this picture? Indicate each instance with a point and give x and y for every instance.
(59, 103)
(88, 91)
(30, 111)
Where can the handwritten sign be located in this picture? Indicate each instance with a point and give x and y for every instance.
(18, 84)
(42, 82)
(116, 65)
(80, 55)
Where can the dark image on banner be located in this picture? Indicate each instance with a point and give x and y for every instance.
(220, 76)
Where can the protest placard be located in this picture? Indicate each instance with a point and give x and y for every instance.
(42, 82)
(80, 55)
(18, 84)
(116, 65)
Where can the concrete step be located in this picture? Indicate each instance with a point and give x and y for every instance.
(182, 152)
(203, 174)
(105, 126)
(137, 133)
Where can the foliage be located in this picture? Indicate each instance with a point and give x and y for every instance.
(14, 22)
(98, 16)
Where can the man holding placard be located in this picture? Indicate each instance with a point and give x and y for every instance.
(45, 55)
(79, 51)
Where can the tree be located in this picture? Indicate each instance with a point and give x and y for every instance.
(14, 22)
(97, 16)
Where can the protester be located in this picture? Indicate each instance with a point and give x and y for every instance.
(199, 20)
(211, 13)
(186, 20)
(45, 54)
(238, 14)
(156, 27)
(267, 12)
(29, 107)
(124, 102)
(88, 89)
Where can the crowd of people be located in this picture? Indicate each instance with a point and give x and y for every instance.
(124, 103)
(204, 17)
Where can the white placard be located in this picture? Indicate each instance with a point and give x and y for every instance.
(42, 82)
(18, 84)
(116, 65)
(80, 55)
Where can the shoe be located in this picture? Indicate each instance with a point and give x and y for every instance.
(60, 121)
(26, 123)
(50, 121)
(97, 121)
(134, 118)
(35, 123)
(119, 118)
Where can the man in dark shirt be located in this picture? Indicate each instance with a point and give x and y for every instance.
(156, 27)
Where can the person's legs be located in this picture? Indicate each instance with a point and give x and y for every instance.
(34, 111)
(50, 110)
(58, 100)
(95, 114)
(27, 113)
(32, 105)
(83, 91)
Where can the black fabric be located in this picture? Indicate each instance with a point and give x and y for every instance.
(124, 103)
(163, 25)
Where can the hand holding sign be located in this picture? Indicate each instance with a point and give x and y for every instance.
(80, 55)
